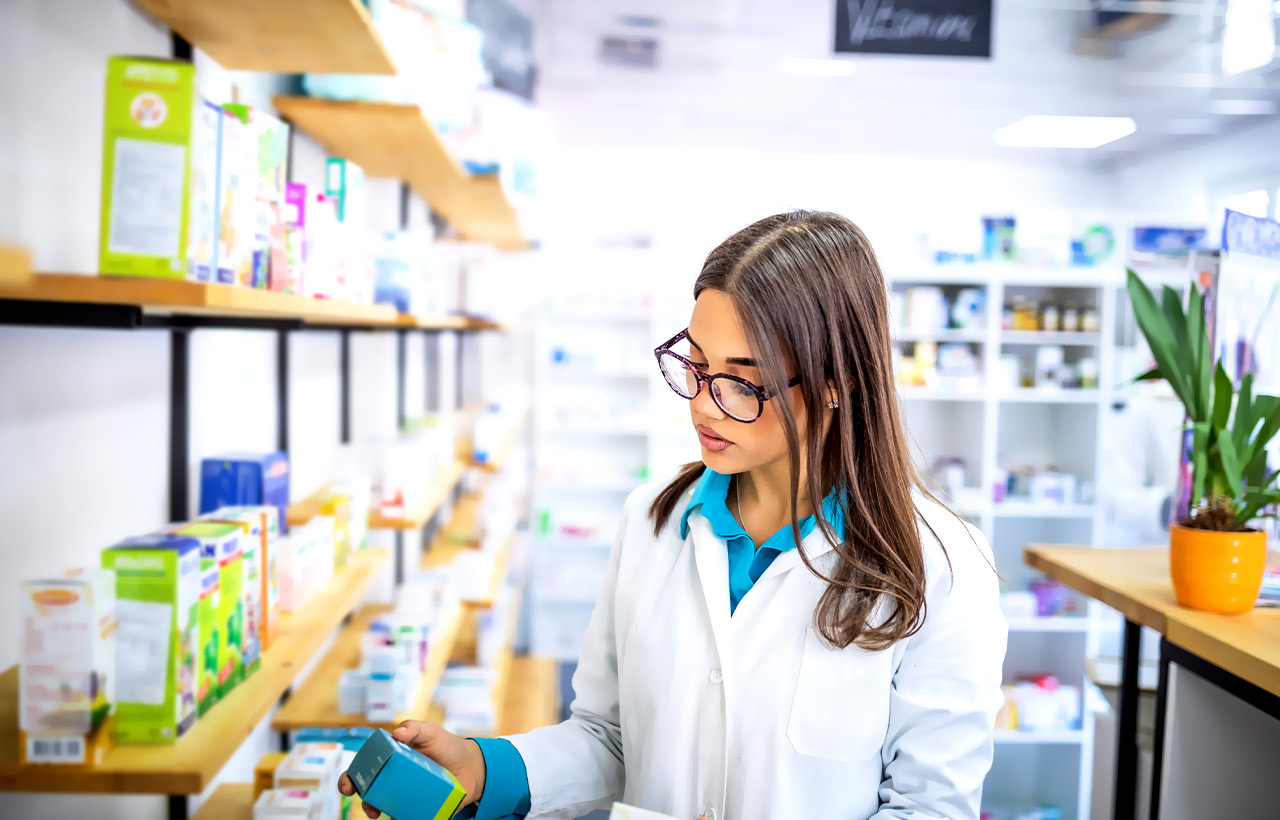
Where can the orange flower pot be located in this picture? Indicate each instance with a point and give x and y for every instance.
(1217, 571)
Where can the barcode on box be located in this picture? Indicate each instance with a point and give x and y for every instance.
(55, 750)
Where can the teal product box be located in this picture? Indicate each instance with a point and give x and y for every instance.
(245, 479)
(998, 243)
(403, 783)
(349, 739)
(344, 183)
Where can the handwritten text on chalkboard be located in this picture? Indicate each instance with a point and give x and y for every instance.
(959, 28)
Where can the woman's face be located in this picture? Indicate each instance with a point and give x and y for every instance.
(717, 344)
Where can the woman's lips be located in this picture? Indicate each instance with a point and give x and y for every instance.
(711, 440)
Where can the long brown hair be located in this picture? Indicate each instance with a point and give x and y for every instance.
(813, 301)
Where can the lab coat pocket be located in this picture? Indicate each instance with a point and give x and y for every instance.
(841, 706)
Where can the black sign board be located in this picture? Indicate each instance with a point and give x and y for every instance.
(948, 28)
(508, 45)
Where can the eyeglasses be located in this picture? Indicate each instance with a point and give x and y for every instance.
(738, 398)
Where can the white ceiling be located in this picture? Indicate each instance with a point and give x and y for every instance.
(718, 81)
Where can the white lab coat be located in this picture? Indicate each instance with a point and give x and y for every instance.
(685, 710)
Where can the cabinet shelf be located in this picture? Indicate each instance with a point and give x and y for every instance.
(189, 766)
(283, 36)
(446, 548)
(15, 265)
(532, 696)
(498, 462)
(315, 701)
(230, 801)
(450, 474)
(396, 140)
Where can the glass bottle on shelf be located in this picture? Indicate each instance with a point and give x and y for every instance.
(1070, 318)
(1049, 318)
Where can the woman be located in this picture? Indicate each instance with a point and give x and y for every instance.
(792, 627)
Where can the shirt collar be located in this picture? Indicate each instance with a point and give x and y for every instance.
(711, 494)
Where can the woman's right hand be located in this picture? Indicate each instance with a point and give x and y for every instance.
(460, 756)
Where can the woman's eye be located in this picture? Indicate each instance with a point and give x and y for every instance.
(702, 366)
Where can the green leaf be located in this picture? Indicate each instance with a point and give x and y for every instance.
(1176, 321)
(1254, 502)
(1245, 419)
(1223, 392)
(1199, 461)
(1149, 376)
(1230, 465)
(1160, 339)
(1198, 338)
(1270, 426)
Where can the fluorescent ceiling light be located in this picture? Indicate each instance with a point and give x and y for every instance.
(1041, 131)
(1248, 35)
(1243, 107)
(816, 68)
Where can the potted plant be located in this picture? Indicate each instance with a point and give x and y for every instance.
(1216, 558)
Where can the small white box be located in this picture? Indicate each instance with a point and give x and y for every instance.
(352, 691)
(296, 803)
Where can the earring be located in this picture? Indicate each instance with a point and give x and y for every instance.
(833, 404)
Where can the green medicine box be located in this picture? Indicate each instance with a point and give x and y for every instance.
(158, 662)
(222, 607)
(158, 144)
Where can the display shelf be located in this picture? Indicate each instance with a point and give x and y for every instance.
(532, 697)
(315, 701)
(15, 265)
(1064, 736)
(448, 477)
(911, 392)
(593, 430)
(189, 766)
(1059, 624)
(230, 801)
(1050, 395)
(975, 335)
(283, 36)
(180, 297)
(396, 140)
(1050, 337)
(1032, 509)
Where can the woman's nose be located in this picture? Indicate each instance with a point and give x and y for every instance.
(704, 405)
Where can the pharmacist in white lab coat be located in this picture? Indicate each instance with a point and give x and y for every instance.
(792, 627)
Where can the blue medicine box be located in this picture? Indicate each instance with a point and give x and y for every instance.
(350, 739)
(238, 479)
(402, 783)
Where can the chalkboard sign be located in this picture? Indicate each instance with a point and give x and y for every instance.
(949, 28)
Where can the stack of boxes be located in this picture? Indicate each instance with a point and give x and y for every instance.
(305, 784)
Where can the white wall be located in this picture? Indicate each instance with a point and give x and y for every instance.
(84, 414)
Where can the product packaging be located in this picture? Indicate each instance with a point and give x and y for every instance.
(268, 571)
(998, 239)
(314, 767)
(158, 657)
(264, 772)
(336, 504)
(289, 803)
(237, 197)
(268, 148)
(66, 672)
(253, 552)
(344, 184)
(289, 277)
(322, 248)
(349, 739)
(403, 783)
(245, 479)
(155, 131)
(223, 640)
(206, 156)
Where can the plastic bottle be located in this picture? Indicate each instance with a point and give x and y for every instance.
(1049, 318)
(1070, 318)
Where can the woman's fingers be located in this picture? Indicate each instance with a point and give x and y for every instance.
(415, 733)
(345, 786)
(370, 811)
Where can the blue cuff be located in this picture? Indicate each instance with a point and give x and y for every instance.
(506, 782)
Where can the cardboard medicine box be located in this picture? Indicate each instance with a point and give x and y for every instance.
(403, 783)
(251, 553)
(269, 573)
(236, 479)
(221, 607)
(157, 139)
(158, 662)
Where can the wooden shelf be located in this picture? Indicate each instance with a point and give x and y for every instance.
(15, 265)
(189, 766)
(450, 474)
(230, 801)
(178, 296)
(396, 140)
(445, 549)
(315, 701)
(282, 36)
(532, 697)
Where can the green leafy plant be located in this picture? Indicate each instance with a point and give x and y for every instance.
(1230, 428)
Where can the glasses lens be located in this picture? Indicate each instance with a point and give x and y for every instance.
(679, 375)
(739, 400)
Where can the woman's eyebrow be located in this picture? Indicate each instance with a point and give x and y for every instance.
(739, 361)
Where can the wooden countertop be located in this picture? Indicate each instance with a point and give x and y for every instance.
(1136, 582)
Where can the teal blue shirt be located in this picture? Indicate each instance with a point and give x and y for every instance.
(506, 791)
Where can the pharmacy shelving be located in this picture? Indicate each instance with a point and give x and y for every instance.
(1069, 736)
(15, 265)
(922, 393)
(1049, 337)
(974, 335)
(445, 549)
(285, 36)
(314, 702)
(425, 508)
(397, 140)
(189, 765)
(502, 454)
(1050, 395)
(230, 801)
